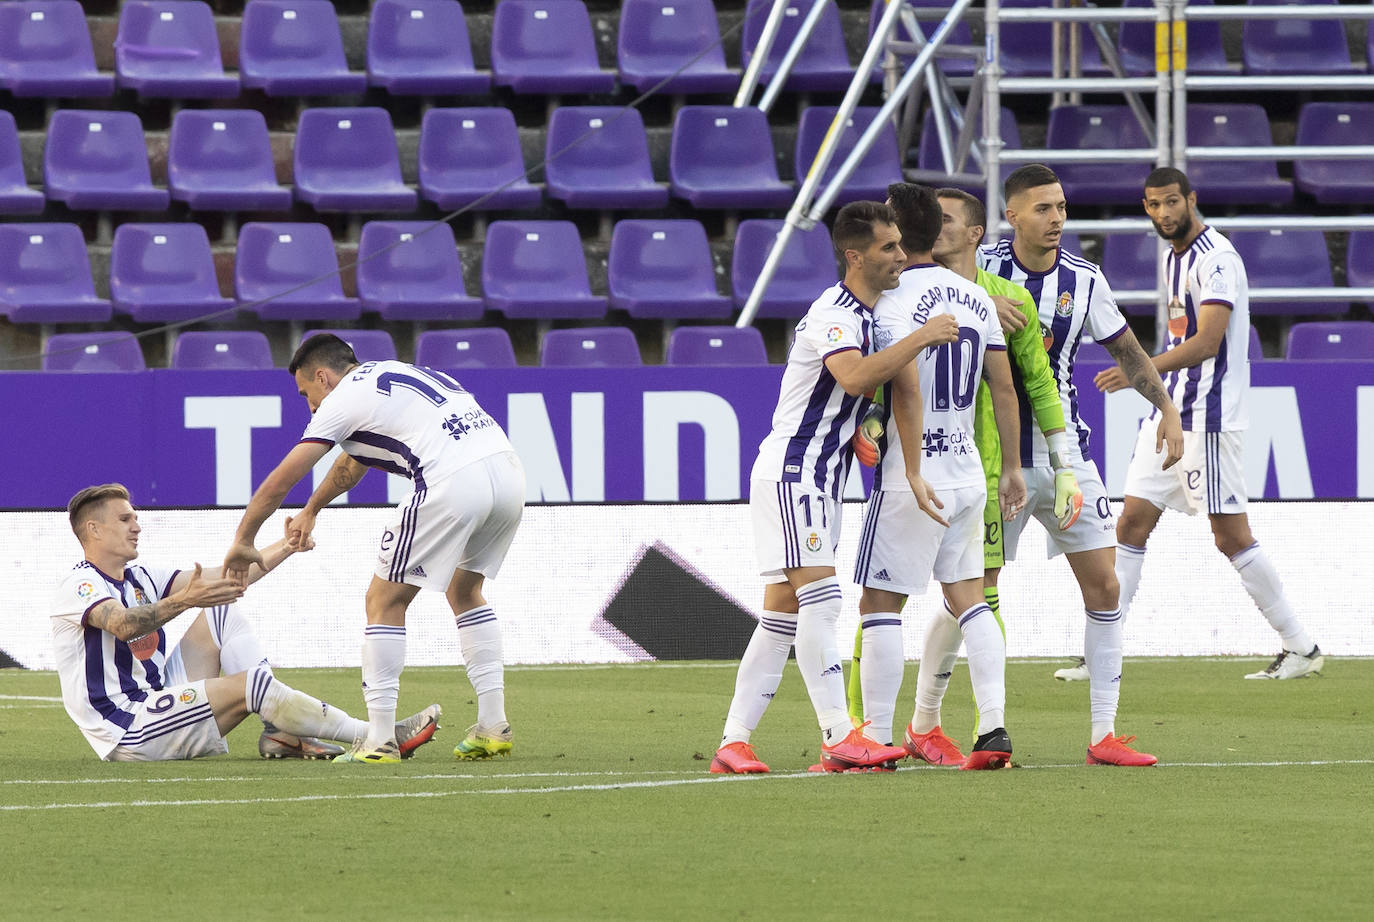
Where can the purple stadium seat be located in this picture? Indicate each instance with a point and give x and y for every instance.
(1359, 259)
(807, 267)
(421, 48)
(1091, 352)
(716, 346)
(658, 37)
(1295, 46)
(546, 46)
(294, 48)
(15, 195)
(418, 278)
(882, 166)
(368, 345)
(102, 351)
(479, 347)
(169, 48)
(1206, 54)
(97, 160)
(244, 350)
(45, 50)
(722, 157)
(1233, 182)
(537, 269)
(1027, 46)
(468, 153)
(1131, 263)
(1350, 340)
(1256, 351)
(953, 67)
(164, 273)
(1287, 259)
(221, 160)
(1098, 127)
(823, 64)
(663, 269)
(589, 347)
(45, 276)
(274, 258)
(928, 151)
(1335, 182)
(609, 166)
(347, 160)
(1068, 240)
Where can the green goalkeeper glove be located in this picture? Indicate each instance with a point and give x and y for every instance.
(866, 437)
(1068, 498)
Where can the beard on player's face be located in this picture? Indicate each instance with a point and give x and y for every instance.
(1182, 228)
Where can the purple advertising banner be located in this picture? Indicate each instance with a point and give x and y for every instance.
(651, 434)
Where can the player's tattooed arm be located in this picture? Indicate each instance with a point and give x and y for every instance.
(130, 623)
(1139, 370)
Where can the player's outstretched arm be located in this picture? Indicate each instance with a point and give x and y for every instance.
(1140, 372)
(267, 500)
(272, 555)
(198, 591)
(342, 477)
(858, 374)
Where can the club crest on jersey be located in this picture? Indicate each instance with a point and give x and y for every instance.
(1064, 306)
(813, 542)
(85, 589)
(187, 696)
(834, 334)
(139, 597)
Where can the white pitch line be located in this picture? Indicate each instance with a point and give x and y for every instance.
(29, 698)
(332, 776)
(573, 788)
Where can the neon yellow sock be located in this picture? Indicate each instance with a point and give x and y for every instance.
(854, 690)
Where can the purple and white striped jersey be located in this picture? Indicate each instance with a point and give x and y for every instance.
(1072, 297)
(102, 675)
(1210, 395)
(949, 374)
(406, 420)
(815, 419)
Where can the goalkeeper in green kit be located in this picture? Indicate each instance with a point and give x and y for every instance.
(957, 250)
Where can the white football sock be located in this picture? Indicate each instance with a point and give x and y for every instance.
(987, 665)
(1262, 581)
(295, 711)
(1129, 560)
(1102, 652)
(939, 652)
(818, 656)
(239, 649)
(760, 672)
(881, 675)
(479, 636)
(384, 656)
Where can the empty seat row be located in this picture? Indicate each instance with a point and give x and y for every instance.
(481, 347)
(406, 271)
(347, 159)
(1273, 259)
(1229, 182)
(170, 48)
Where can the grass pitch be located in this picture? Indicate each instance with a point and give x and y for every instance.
(1260, 808)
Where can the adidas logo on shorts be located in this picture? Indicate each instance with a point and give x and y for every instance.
(418, 570)
(882, 575)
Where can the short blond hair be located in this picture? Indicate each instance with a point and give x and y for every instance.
(84, 505)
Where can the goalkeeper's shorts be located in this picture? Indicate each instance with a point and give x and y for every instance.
(994, 544)
(1095, 528)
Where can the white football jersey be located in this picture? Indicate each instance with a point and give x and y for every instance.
(1210, 395)
(406, 420)
(1072, 298)
(101, 674)
(949, 374)
(815, 419)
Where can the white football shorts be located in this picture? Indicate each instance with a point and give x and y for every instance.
(901, 547)
(1210, 477)
(793, 527)
(467, 522)
(1096, 525)
(175, 723)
